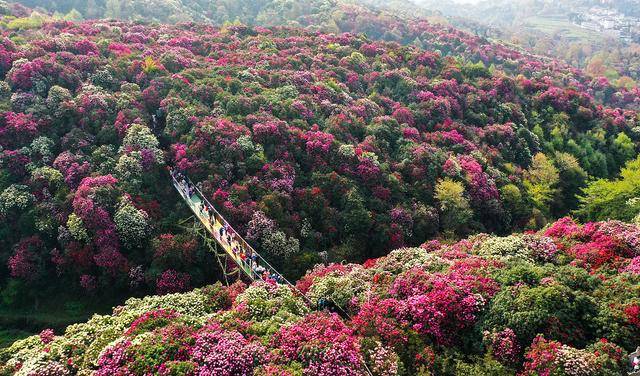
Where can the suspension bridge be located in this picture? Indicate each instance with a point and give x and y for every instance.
(247, 260)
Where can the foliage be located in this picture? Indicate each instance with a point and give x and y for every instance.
(454, 206)
(613, 198)
(131, 224)
(306, 142)
(461, 307)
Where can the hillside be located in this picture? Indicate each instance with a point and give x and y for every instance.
(316, 146)
(414, 179)
(548, 28)
(260, 12)
(544, 28)
(263, 12)
(396, 21)
(559, 302)
(601, 37)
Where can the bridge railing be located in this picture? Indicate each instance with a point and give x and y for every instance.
(247, 268)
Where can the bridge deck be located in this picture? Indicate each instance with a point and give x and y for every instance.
(252, 264)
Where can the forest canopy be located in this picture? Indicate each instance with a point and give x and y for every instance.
(414, 179)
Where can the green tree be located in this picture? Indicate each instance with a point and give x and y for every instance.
(530, 310)
(73, 15)
(515, 203)
(113, 9)
(609, 199)
(91, 10)
(624, 149)
(386, 131)
(455, 211)
(541, 182)
(572, 179)
(357, 219)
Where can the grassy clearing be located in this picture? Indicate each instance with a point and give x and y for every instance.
(8, 336)
(553, 24)
(17, 323)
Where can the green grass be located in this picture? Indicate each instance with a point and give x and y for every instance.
(34, 321)
(555, 24)
(8, 336)
(17, 323)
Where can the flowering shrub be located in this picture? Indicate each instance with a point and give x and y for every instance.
(46, 336)
(550, 358)
(448, 304)
(323, 344)
(151, 320)
(382, 318)
(503, 345)
(131, 224)
(49, 369)
(384, 361)
(414, 310)
(318, 147)
(171, 281)
(15, 197)
(88, 282)
(114, 359)
(72, 167)
(341, 288)
(222, 352)
(541, 248)
(261, 301)
(633, 267)
(511, 246)
(25, 262)
(358, 141)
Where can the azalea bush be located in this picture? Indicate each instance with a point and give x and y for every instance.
(319, 147)
(452, 310)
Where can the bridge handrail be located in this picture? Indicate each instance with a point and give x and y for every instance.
(243, 242)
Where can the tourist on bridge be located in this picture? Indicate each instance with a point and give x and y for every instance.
(189, 189)
(259, 270)
(275, 277)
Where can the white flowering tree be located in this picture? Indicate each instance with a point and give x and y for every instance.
(132, 224)
(15, 197)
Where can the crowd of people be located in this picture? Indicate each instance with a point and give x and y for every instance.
(243, 254)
